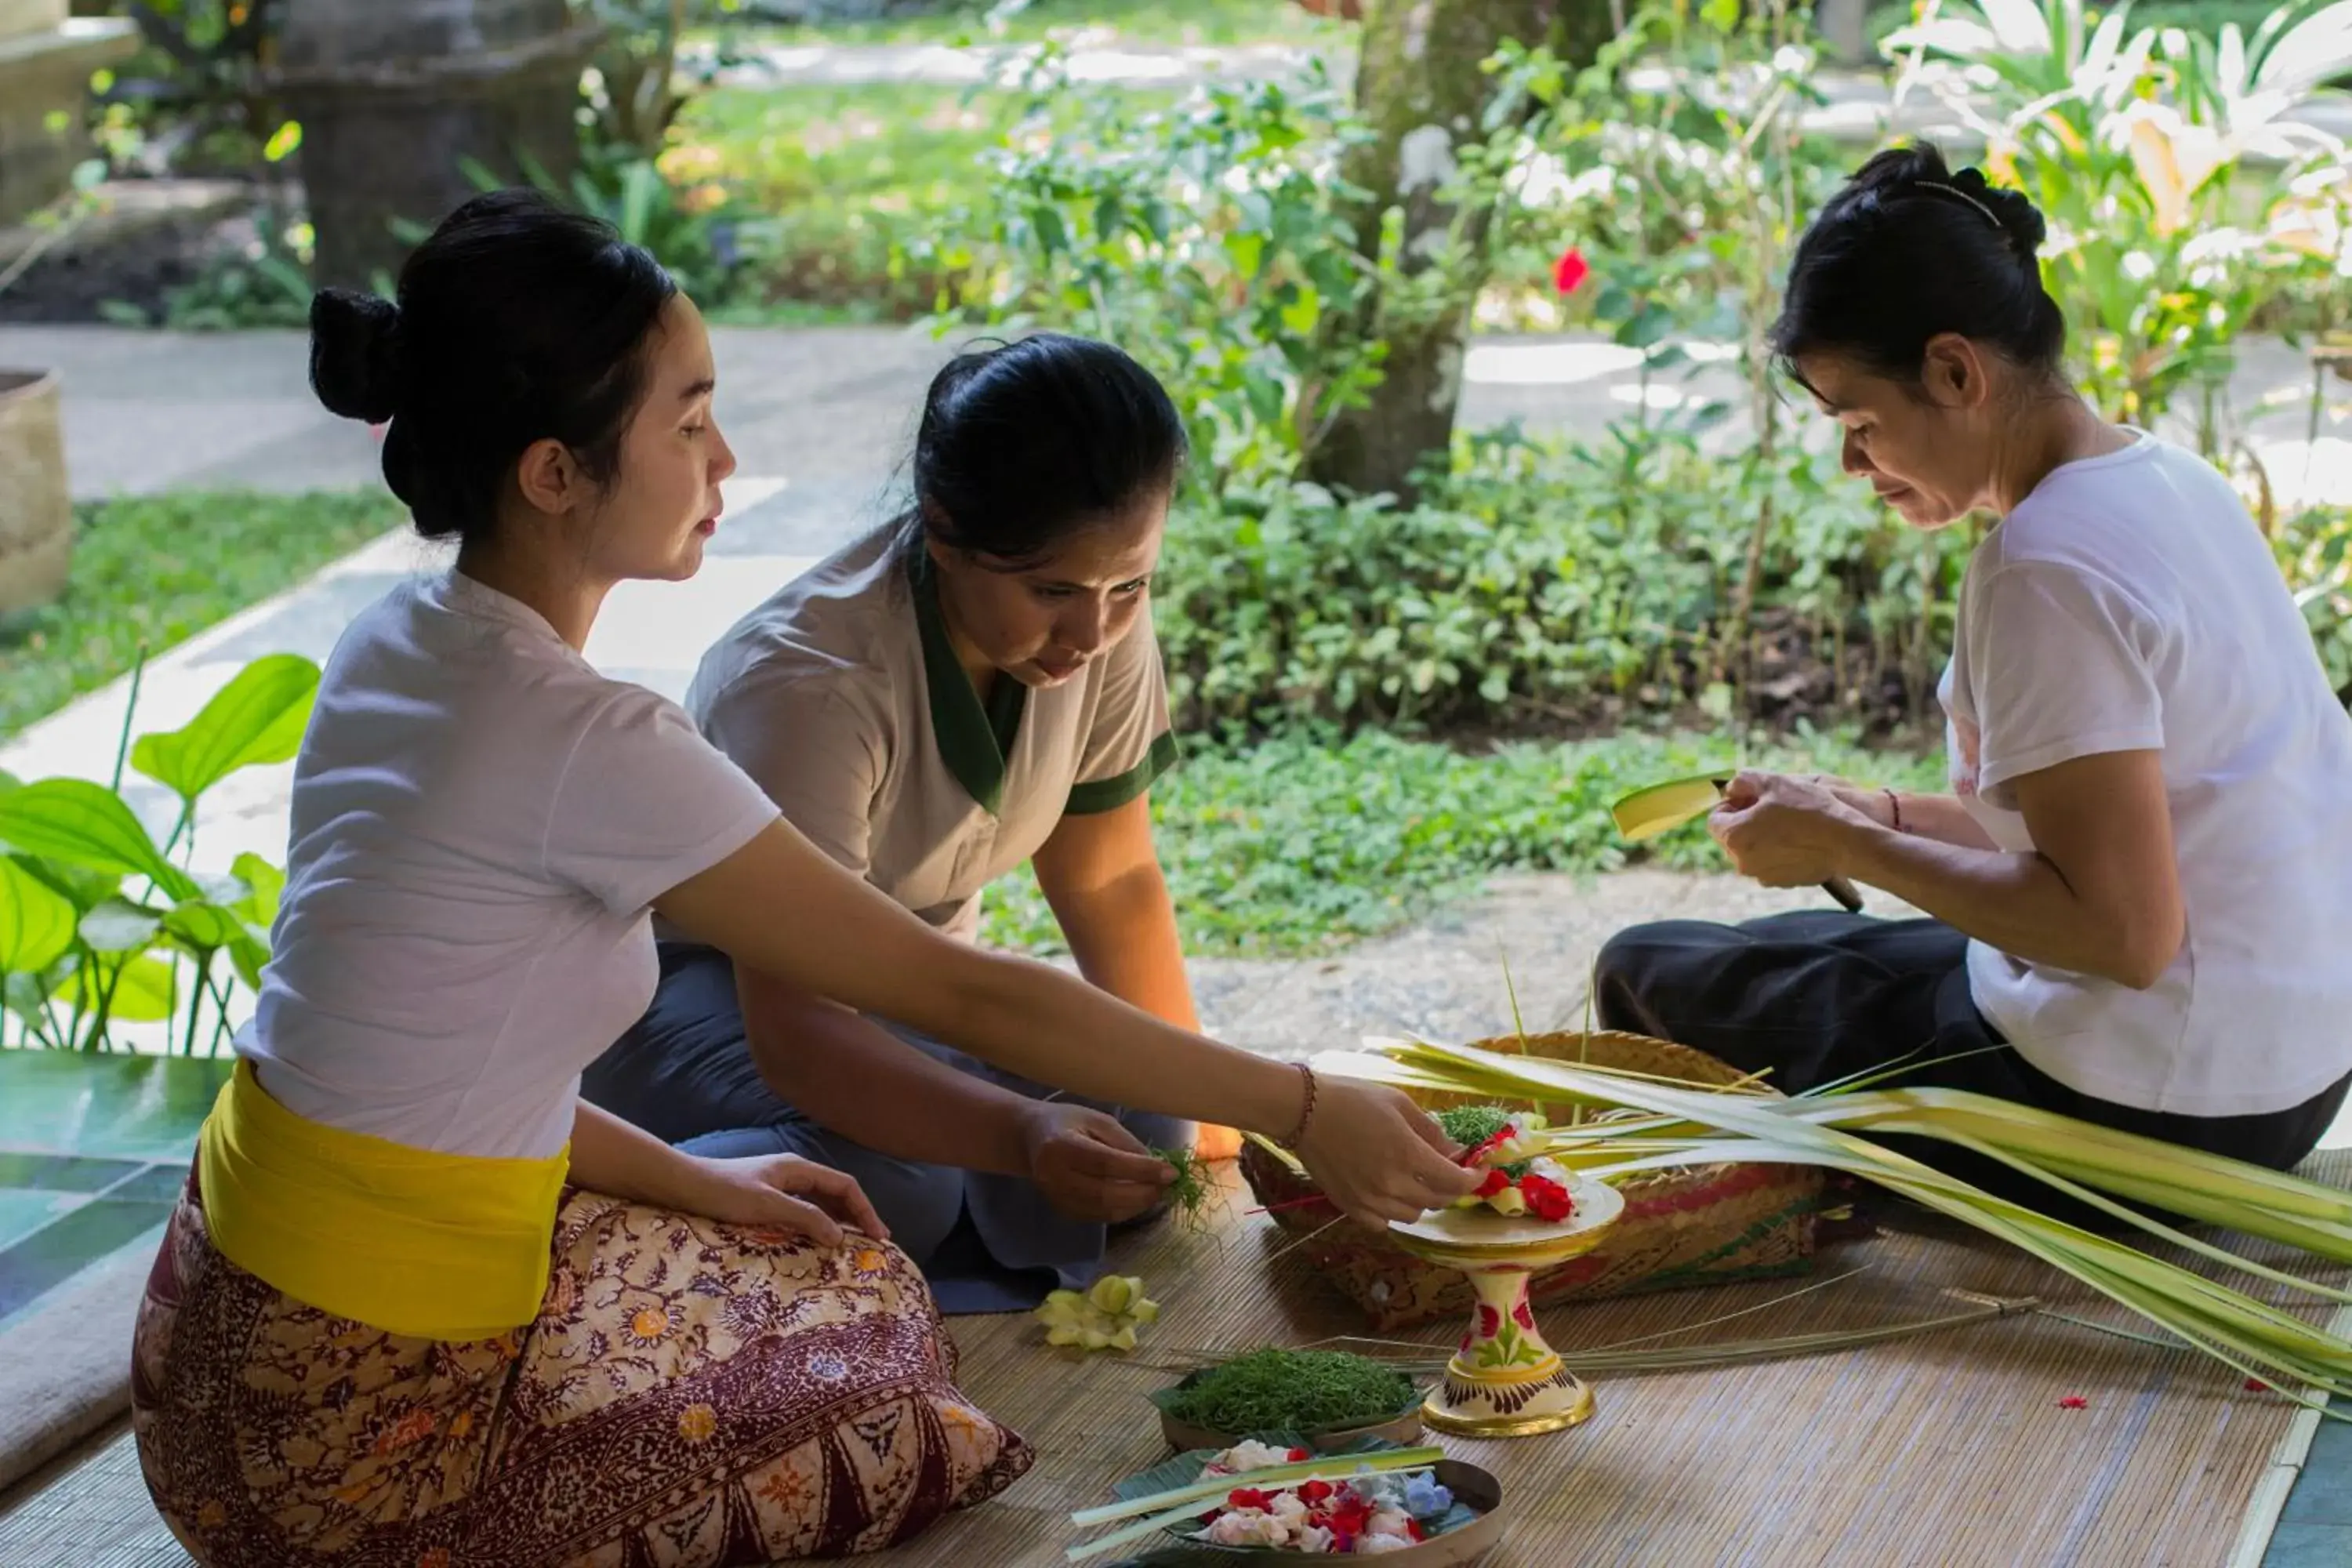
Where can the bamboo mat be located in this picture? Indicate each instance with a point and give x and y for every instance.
(1948, 1450)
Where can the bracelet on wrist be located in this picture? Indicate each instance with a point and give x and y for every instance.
(1305, 1107)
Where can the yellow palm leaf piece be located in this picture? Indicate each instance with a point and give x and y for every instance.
(1662, 807)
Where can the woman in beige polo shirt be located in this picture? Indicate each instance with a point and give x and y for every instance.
(972, 685)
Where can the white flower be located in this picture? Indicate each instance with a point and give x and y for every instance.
(1288, 1509)
(1248, 1527)
(1252, 1455)
(1390, 1521)
(1314, 1541)
(1374, 1545)
(1550, 1169)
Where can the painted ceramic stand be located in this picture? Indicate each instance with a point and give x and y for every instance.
(1504, 1381)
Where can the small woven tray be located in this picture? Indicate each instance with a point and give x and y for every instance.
(1695, 1224)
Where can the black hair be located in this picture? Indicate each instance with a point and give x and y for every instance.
(1026, 443)
(1908, 249)
(516, 321)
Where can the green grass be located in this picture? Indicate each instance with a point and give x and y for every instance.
(1127, 21)
(154, 571)
(1297, 846)
(839, 174)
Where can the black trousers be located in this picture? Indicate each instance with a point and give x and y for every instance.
(1820, 995)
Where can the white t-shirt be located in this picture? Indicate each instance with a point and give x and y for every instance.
(2130, 604)
(479, 822)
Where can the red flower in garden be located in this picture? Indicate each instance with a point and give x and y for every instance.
(1490, 1322)
(1523, 1315)
(1568, 273)
(2074, 1402)
(1548, 1198)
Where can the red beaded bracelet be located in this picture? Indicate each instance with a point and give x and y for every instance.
(1307, 1109)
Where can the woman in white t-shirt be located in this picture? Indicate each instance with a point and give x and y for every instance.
(2140, 881)
(970, 686)
(421, 1304)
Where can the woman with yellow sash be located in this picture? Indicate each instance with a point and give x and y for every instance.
(421, 1306)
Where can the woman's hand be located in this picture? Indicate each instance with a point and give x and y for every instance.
(783, 1192)
(1088, 1166)
(1784, 831)
(1378, 1155)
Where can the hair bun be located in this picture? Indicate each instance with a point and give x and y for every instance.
(355, 353)
(2012, 210)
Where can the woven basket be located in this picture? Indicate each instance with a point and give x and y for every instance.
(1697, 1225)
(36, 511)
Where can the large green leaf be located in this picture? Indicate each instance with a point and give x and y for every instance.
(86, 825)
(204, 926)
(118, 926)
(144, 993)
(36, 921)
(268, 885)
(257, 717)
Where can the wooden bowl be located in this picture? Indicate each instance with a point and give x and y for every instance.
(1476, 1488)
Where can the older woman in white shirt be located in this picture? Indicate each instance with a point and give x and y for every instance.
(2139, 881)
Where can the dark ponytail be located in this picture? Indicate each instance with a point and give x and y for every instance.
(1909, 249)
(517, 322)
(1024, 443)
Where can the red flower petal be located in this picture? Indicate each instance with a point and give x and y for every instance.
(1570, 271)
(2256, 1385)
(1490, 1322)
(2074, 1402)
(1548, 1198)
(1249, 1497)
(1495, 1183)
(1315, 1492)
(1523, 1315)
(1299, 1456)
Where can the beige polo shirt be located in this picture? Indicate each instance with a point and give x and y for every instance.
(842, 697)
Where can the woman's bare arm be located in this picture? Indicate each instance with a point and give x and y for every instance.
(781, 906)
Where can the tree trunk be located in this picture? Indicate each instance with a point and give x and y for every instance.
(1420, 88)
(394, 94)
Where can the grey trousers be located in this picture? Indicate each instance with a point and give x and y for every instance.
(988, 1243)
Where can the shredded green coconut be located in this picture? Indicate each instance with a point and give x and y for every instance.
(1277, 1390)
(1471, 1125)
(1188, 1194)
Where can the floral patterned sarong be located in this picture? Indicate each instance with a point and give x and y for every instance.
(692, 1395)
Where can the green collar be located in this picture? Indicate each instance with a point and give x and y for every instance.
(975, 739)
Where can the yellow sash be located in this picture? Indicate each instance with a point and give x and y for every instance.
(411, 1241)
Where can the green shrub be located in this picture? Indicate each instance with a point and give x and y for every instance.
(1544, 586)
